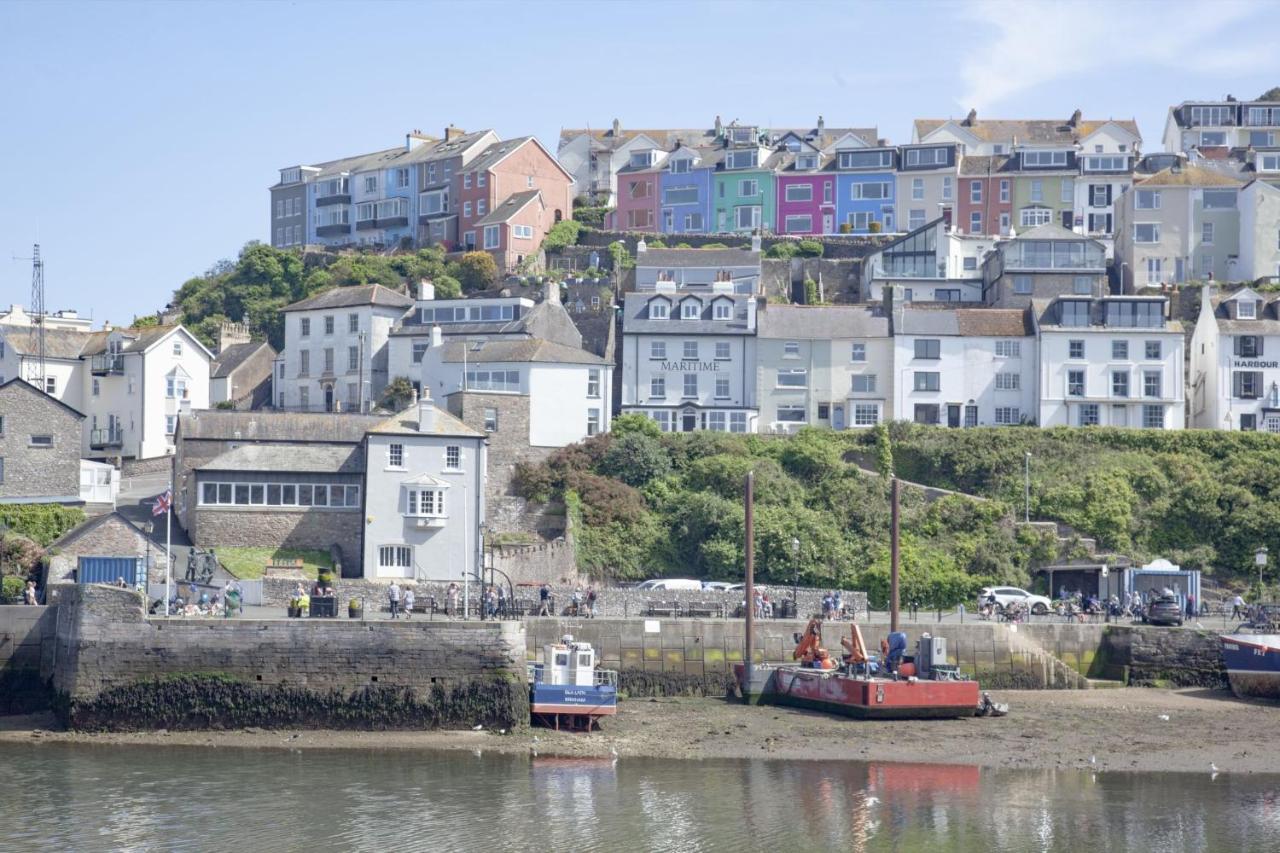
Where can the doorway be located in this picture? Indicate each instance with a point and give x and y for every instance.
(328, 398)
(689, 421)
(828, 224)
(837, 416)
(953, 415)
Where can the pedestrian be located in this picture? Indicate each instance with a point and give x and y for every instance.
(544, 598)
(408, 602)
(1237, 607)
(120, 583)
(837, 605)
(826, 606)
(393, 596)
(758, 605)
(1191, 605)
(451, 600)
(29, 594)
(502, 601)
(591, 602)
(577, 601)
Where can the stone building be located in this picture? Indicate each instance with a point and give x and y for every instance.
(108, 535)
(241, 372)
(39, 446)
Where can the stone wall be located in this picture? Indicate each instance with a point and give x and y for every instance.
(840, 278)
(38, 471)
(313, 528)
(833, 246)
(1147, 655)
(108, 648)
(26, 637)
(154, 465)
(508, 444)
(553, 562)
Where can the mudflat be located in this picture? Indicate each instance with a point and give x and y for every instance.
(1142, 729)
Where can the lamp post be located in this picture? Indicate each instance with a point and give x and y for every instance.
(1026, 490)
(1260, 557)
(795, 574)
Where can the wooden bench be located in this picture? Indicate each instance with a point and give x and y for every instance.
(707, 609)
(660, 609)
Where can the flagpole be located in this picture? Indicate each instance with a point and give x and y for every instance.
(168, 546)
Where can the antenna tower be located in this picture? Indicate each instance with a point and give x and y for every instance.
(35, 345)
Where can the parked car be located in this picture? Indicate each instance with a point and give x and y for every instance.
(672, 584)
(716, 586)
(1165, 610)
(1006, 595)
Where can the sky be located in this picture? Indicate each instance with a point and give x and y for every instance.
(138, 140)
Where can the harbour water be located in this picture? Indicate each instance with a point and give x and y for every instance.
(89, 797)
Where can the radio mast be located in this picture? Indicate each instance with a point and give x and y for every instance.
(35, 340)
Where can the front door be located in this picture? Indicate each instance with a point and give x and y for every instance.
(1068, 219)
(837, 417)
(328, 398)
(953, 415)
(689, 421)
(828, 224)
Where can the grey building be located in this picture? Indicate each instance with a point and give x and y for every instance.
(241, 375)
(39, 446)
(288, 225)
(437, 166)
(1042, 263)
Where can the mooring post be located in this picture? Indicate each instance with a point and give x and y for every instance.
(893, 556)
(748, 645)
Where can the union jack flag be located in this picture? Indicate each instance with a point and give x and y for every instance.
(163, 502)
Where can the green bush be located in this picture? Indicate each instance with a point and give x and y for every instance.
(561, 235)
(11, 589)
(784, 250)
(41, 522)
(810, 248)
(476, 271)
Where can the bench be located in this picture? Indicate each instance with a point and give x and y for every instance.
(670, 609)
(708, 609)
(295, 563)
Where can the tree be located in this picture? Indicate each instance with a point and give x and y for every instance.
(635, 459)
(633, 422)
(476, 271)
(1272, 94)
(398, 394)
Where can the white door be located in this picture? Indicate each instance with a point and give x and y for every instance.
(828, 224)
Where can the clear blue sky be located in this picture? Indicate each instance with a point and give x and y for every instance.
(138, 140)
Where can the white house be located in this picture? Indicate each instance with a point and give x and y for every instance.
(1235, 362)
(829, 366)
(424, 497)
(964, 367)
(1259, 204)
(931, 264)
(1110, 361)
(335, 350)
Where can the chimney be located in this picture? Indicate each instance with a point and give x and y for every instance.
(971, 119)
(617, 128)
(426, 290)
(751, 313)
(551, 293)
(437, 337)
(719, 127)
(426, 411)
(1206, 299)
(641, 246)
(821, 125)
(451, 133)
(755, 242)
(1075, 119)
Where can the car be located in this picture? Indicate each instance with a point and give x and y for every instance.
(1006, 595)
(1165, 610)
(671, 584)
(716, 586)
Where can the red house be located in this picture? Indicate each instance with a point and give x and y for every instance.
(508, 199)
(984, 198)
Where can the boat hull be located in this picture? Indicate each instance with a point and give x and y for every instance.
(1253, 665)
(600, 700)
(877, 698)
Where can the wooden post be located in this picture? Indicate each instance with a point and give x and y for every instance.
(893, 556)
(748, 662)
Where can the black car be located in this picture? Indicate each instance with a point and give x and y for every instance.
(1164, 611)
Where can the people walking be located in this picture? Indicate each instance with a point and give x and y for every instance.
(451, 600)
(577, 601)
(502, 602)
(544, 598)
(408, 602)
(1237, 607)
(591, 602)
(393, 597)
(29, 594)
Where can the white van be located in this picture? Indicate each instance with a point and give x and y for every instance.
(672, 584)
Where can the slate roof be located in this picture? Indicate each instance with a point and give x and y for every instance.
(676, 258)
(233, 356)
(227, 425)
(1188, 176)
(139, 340)
(822, 322)
(114, 517)
(496, 152)
(668, 138)
(303, 459)
(25, 385)
(1267, 322)
(509, 208)
(346, 297)
(65, 344)
(635, 316)
(965, 322)
(975, 165)
(1034, 131)
(1049, 231)
(524, 350)
(406, 423)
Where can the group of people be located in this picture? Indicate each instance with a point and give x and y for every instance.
(832, 605)
(763, 605)
(201, 602)
(401, 600)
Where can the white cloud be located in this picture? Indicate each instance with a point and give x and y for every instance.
(1034, 43)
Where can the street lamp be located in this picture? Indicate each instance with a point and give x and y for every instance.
(795, 573)
(1260, 557)
(1026, 491)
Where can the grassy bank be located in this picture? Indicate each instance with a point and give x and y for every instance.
(249, 563)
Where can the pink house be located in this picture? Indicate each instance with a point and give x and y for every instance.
(637, 208)
(806, 202)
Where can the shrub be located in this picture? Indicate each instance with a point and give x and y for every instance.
(398, 394)
(811, 296)
(784, 250)
(534, 483)
(11, 589)
(624, 424)
(561, 235)
(476, 271)
(635, 459)
(810, 248)
(656, 243)
(874, 227)
(41, 522)
(21, 553)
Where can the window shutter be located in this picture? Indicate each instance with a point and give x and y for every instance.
(1109, 188)
(1258, 345)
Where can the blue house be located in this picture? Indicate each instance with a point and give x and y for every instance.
(685, 192)
(865, 188)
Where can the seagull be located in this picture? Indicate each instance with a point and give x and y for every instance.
(613, 751)
(478, 728)
(1164, 717)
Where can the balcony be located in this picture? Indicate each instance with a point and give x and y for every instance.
(333, 230)
(101, 439)
(326, 200)
(107, 364)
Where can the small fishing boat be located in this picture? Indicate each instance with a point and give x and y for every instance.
(567, 690)
(1253, 664)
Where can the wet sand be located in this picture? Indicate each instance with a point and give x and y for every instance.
(1121, 729)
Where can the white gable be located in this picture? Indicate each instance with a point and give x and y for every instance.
(847, 143)
(1110, 136)
(951, 132)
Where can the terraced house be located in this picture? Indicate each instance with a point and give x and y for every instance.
(743, 198)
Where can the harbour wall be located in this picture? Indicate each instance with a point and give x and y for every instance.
(113, 668)
(26, 633)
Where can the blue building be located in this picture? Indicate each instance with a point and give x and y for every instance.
(685, 192)
(865, 189)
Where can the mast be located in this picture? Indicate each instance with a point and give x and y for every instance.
(748, 641)
(893, 556)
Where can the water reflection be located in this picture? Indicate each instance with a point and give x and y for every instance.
(75, 797)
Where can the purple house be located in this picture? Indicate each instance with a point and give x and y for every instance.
(806, 195)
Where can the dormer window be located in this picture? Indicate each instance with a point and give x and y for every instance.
(680, 166)
(927, 157)
(741, 134)
(806, 162)
(659, 310)
(865, 159)
(1246, 309)
(722, 310)
(640, 159)
(742, 159)
(1044, 159)
(691, 309)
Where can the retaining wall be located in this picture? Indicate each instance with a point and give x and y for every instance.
(26, 636)
(1147, 655)
(113, 667)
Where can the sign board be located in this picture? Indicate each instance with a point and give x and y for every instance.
(651, 626)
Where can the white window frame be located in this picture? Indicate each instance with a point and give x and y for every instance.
(798, 224)
(804, 192)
